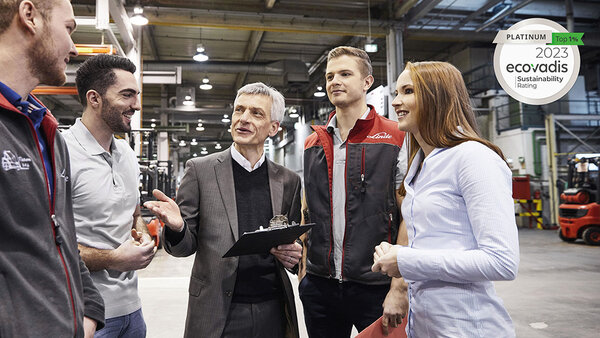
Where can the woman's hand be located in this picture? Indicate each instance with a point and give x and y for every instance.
(385, 260)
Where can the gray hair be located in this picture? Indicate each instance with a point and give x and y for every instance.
(259, 88)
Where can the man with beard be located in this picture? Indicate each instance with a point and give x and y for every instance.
(45, 289)
(113, 238)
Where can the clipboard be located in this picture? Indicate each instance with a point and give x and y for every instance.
(262, 240)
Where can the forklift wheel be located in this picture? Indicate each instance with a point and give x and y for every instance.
(591, 235)
(566, 239)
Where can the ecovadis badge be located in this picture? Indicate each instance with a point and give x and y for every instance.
(537, 60)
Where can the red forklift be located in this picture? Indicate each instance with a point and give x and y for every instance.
(579, 213)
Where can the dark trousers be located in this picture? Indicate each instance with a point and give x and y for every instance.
(255, 320)
(331, 307)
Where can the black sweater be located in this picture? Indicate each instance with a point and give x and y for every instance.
(257, 274)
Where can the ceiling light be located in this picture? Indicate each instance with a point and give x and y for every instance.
(138, 18)
(153, 120)
(200, 56)
(319, 92)
(182, 143)
(225, 118)
(188, 100)
(146, 142)
(279, 129)
(293, 113)
(229, 130)
(199, 124)
(199, 128)
(371, 47)
(218, 146)
(153, 125)
(195, 155)
(193, 143)
(206, 84)
(204, 152)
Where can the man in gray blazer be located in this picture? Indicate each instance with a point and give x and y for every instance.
(221, 196)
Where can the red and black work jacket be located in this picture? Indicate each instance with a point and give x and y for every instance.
(372, 215)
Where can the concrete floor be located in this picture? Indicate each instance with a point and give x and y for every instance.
(556, 293)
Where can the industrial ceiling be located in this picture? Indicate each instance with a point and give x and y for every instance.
(285, 42)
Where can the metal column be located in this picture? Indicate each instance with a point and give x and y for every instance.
(395, 56)
(551, 148)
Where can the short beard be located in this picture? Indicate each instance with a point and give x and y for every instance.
(113, 118)
(42, 62)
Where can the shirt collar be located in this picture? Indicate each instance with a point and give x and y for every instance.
(87, 140)
(17, 101)
(333, 122)
(10, 95)
(241, 160)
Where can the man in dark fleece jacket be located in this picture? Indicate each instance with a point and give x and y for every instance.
(45, 289)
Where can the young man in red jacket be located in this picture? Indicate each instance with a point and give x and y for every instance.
(352, 168)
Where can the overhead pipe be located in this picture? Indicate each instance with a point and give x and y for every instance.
(271, 68)
(504, 13)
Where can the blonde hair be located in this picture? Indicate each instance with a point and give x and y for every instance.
(364, 61)
(445, 117)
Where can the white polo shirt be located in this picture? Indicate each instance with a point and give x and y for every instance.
(105, 196)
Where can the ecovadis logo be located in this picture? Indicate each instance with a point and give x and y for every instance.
(537, 60)
(555, 67)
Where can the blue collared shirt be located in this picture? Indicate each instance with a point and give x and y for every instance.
(459, 215)
(35, 113)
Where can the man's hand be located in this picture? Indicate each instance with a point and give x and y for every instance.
(133, 255)
(89, 327)
(166, 210)
(395, 307)
(385, 260)
(288, 254)
(140, 238)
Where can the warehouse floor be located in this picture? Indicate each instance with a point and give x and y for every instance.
(556, 294)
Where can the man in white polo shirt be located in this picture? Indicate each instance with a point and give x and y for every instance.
(113, 239)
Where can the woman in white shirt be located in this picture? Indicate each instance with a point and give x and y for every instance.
(458, 211)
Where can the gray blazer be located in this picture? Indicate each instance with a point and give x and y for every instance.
(206, 198)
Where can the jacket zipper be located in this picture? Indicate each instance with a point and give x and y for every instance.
(54, 224)
(363, 186)
(390, 229)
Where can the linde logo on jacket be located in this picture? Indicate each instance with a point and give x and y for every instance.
(11, 161)
(380, 135)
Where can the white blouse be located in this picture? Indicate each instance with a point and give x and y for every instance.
(459, 214)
